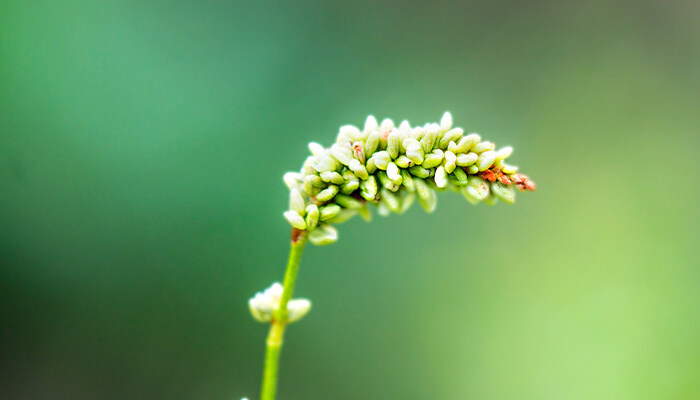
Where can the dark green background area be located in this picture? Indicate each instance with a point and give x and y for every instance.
(142, 147)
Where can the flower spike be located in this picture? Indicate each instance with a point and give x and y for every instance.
(387, 166)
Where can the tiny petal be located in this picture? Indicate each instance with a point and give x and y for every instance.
(372, 143)
(370, 124)
(368, 188)
(292, 179)
(504, 153)
(342, 153)
(329, 212)
(465, 160)
(328, 193)
(381, 159)
(483, 146)
(316, 149)
(433, 159)
(392, 172)
(358, 169)
(451, 136)
(348, 201)
(466, 143)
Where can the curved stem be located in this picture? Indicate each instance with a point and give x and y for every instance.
(279, 322)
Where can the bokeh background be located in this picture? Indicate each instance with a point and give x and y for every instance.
(142, 146)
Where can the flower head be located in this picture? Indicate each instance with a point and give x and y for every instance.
(265, 304)
(389, 167)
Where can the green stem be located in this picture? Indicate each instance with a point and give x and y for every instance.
(279, 322)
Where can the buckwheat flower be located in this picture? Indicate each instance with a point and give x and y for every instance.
(388, 167)
(265, 304)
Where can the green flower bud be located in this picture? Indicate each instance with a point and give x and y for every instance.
(403, 162)
(365, 213)
(386, 182)
(393, 143)
(312, 216)
(350, 186)
(451, 136)
(372, 143)
(383, 210)
(478, 188)
(295, 219)
(473, 169)
(414, 152)
(387, 124)
(419, 171)
(433, 159)
(368, 188)
(342, 153)
(391, 201)
(461, 176)
(466, 143)
(371, 167)
(327, 194)
(452, 146)
(296, 201)
(505, 193)
(332, 176)
(485, 160)
(407, 202)
(428, 141)
(381, 159)
(465, 160)
(358, 169)
(422, 189)
(329, 212)
(428, 203)
(323, 235)
(344, 215)
(351, 131)
(348, 201)
(483, 146)
(407, 181)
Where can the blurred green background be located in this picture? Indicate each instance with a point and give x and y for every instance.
(142, 147)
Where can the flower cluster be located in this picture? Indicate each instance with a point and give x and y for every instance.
(264, 305)
(391, 166)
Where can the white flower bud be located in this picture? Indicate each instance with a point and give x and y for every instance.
(405, 128)
(407, 202)
(295, 219)
(509, 169)
(370, 124)
(296, 201)
(348, 201)
(446, 121)
(292, 179)
(316, 149)
(440, 177)
(451, 136)
(414, 152)
(428, 203)
(407, 181)
(478, 188)
(312, 215)
(473, 169)
(387, 124)
(351, 132)
(392, 171)
(297, 309)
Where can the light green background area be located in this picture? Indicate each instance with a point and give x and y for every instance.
(142, 146)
